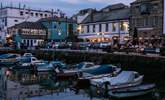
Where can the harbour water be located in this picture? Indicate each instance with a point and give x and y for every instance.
(26, 85)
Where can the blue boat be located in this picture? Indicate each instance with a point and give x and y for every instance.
(9, 59)
(91, 70)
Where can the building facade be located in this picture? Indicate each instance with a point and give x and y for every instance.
(147, 18)
(107, 25)
(30, 34)
(9, 16)
(59, 28)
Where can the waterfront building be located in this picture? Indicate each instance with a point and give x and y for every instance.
(30, 34)
(9, 16)
(110, 24)
(59, 28)
(147, 19)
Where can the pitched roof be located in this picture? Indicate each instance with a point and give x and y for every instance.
(115, 6)
(29, 25)
(107, 16)
(69, 20)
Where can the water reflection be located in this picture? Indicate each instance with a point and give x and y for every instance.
(20, 84)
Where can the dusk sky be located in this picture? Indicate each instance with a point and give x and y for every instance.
(68, 6)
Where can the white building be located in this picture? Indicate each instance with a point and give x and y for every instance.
(109, 24)
(9, 16)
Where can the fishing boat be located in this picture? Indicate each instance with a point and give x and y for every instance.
(135, 91)
(122, 80)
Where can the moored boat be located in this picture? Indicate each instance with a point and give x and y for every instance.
(135, 91)
(9, 59)
(122, 80)
(106, 70)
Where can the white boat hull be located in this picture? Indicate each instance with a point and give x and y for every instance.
(133, 91)
(123, 84)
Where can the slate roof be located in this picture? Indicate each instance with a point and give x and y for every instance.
(113, 15)
(29, 25)
(115, 6)
(69, 20)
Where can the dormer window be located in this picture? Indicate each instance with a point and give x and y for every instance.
(145, 8)
(21, 13)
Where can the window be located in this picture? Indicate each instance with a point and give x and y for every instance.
(146, 22)
(21, 13)
(87, 28)
(89, 65)
(94, 28)
(15, 20)
(41, 15)
(100, 27)
(107, 27)
(31, 14)
(114, 27)
(155, 21)
(46, 15)
(36, 14)
(122, 26)
(27, 12)
(82, 29)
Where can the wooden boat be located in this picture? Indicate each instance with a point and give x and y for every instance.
(122, 80)
(132, 91)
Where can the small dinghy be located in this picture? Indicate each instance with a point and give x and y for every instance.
(132, 91)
